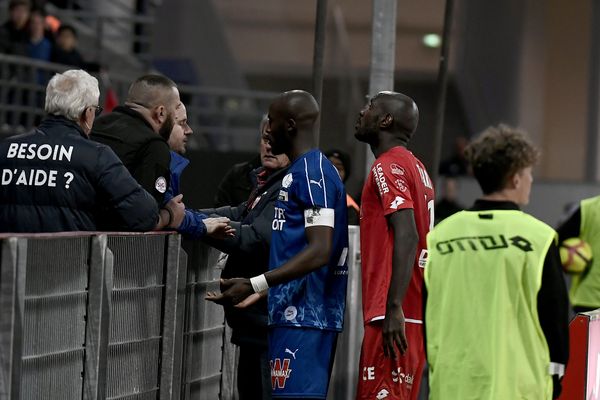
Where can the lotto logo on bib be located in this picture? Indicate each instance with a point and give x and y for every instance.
(280, 372)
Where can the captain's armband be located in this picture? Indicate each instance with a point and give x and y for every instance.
(319, 217)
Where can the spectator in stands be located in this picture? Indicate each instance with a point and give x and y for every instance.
(497, 311)
(341, 161)
(39, 47)
(457, 164)
(249, 256)
(14, 34)
(65, 48)
(138, 131)
(237, 184)
(194, 224)
(448, 203)
(56, 179)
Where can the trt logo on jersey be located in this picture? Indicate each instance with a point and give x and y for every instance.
(278, 219)
(280, 372)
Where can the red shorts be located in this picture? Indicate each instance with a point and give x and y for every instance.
(384, 378)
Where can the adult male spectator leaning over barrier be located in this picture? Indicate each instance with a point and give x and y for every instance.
(496, 316)
(138, 131)
(56, 179)
(249, 256)
(195, 224)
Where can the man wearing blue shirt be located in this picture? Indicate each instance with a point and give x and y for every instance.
(307, 270)
(195, 224)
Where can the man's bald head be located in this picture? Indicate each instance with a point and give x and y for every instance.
(403, 110)
(298, 105)
(153, 90)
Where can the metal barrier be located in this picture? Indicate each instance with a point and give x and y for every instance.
(98, 316)
(222, 119)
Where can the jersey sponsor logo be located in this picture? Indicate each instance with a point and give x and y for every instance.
(396, 203)
(290, 313)
(423, 258)
(283, 195)
(400, 377)
(396, 169)
(293, 353)
(380, 179)
(401, 185)
(382, 394)
(161, 184)
(368, 374)
(278, 219)
(318, 183)
(476, 243)
(287, 181)
(280, 372)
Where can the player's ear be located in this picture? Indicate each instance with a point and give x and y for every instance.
(291, 125)
(514, 181)
(387, 121)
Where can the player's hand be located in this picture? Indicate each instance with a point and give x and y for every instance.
(233, 291)
(218, 228)
(252, 299)
(177, 208)
(393, 332)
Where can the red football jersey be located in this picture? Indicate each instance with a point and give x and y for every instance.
(397, 180)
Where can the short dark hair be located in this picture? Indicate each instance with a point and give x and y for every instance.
(499, 153)
(343, 157)
(66, 28)
(16, 3)
(149, 90)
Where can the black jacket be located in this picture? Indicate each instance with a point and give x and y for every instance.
(145, 153)
(237, 184)
(56, 179)
(249, 256)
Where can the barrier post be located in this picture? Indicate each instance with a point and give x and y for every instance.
(12, 306)
(98, 317)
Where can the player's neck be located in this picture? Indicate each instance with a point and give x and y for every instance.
(386, 144)
(503, 195)
(304, 143)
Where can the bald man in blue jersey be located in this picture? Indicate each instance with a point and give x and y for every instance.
(307, 274)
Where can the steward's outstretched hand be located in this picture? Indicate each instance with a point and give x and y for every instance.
(218, 228)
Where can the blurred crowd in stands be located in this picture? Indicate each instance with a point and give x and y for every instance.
(31, 32)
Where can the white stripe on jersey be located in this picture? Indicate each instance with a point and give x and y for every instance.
(323, 177)
(409, 320)
(308, 182)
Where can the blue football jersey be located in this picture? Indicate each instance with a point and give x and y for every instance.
(316, 300)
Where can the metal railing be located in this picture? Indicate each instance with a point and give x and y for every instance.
(222, 119)
(95, 316)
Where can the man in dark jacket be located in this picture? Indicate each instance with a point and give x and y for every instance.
(248, 256)
(138, 132)
(56, 179)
